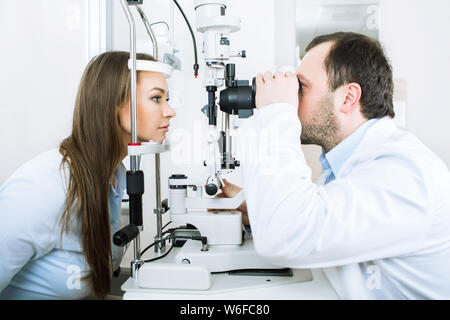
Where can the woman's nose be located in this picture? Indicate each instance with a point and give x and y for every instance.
(168, 112)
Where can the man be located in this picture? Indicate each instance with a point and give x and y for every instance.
(378, 221)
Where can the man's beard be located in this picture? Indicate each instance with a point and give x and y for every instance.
(323, 126)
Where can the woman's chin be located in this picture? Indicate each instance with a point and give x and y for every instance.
(156, 138)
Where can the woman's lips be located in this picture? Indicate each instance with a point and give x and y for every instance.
(165, 128)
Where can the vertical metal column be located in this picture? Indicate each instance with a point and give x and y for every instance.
(134, 165)
(160, 246)
(148, 27)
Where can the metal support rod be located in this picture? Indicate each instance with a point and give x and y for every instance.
(137, 262)
(160, 246)
(134, 137)
(227, 136)
(149, 31)
(137, 248)
(158, 179)
(134, 165)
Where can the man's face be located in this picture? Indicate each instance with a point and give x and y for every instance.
(316, 102)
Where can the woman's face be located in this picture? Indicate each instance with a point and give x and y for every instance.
(153, 109)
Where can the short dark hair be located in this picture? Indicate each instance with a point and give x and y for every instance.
(357, 58)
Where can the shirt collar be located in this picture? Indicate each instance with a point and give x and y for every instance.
(336, 157)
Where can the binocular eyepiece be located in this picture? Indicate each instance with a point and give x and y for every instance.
(239, 96)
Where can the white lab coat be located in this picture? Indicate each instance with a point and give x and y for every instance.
(381, 230)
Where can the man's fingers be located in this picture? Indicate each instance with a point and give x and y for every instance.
(230, 188)
(278, 75)
(225, 183)
(259, 79)
(289, 75)
(267, 76)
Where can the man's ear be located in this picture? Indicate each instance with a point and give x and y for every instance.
(352, 97)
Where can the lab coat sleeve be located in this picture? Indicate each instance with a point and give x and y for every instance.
(29, 228)
(296, 223)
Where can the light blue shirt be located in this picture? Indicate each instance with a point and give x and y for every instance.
(332, 161)
(36, 263)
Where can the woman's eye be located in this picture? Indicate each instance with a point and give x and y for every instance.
(300, 87)
(156, 99)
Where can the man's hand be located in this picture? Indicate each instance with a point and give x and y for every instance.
(278, 88)
(230, 190)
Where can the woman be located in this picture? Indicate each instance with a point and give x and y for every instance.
(58, 211)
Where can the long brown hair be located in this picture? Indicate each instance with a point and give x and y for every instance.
(92, 153)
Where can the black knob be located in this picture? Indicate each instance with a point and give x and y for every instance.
(253, 92)
(211, 189)
(237, 163)
(230, 73)
(125, 235)
(165, 205)
(116, 273)
(230, 69)
(243, 54)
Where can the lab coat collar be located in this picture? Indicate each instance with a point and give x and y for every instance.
(374, 143)
(336, 157)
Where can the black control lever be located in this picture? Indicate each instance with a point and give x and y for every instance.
(122, 237)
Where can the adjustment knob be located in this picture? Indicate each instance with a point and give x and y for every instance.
(211, 189)
(165, 205)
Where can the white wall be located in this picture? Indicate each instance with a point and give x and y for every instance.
(42, 56)
(416, 37)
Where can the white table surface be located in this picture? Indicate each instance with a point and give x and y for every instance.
(227, 287)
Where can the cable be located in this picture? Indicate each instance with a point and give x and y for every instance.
(167, 231)
(158, 241)
(160, 257)
(164, 239)
(166, 225)
(193, 38)
(161, 22)
(204, 240)
(173, 237)
(173, 229)
(148, 27)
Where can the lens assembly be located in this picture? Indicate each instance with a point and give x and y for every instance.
(238, 95)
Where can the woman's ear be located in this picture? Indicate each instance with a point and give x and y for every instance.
(123, 116)
(352, 97)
